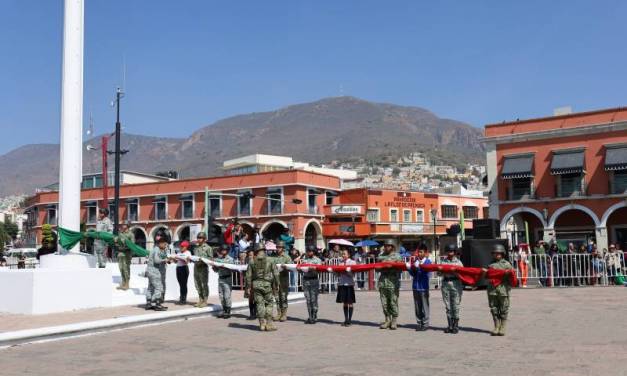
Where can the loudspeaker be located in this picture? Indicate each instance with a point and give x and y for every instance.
(477, 253)
(488, 228)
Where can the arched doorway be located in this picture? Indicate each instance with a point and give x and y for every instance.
(616, 223)
(248, 229)
(273, 230)
(313, 234)
(183, 233)
(573, 225)
(523, 225)
(140, 236)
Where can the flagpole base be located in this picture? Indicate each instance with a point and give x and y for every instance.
(70, 260)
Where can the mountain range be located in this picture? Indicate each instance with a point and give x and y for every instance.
(331, 129)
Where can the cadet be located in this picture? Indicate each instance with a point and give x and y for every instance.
(125, 255)
(155, 269)
(498, 297)
(263, 277)
(311, 285)
(201, 271)
(100, 246)
(389, 285)
(284, 282)
(452, 289)
(225, 281)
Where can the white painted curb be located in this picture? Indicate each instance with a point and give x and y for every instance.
(30, 335)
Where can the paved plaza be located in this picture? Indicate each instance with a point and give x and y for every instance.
(577, 331)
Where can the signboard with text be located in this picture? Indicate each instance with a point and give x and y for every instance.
(346, 209)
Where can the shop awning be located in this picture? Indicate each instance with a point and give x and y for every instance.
(567, 162)
(516, 167)
(616, 158)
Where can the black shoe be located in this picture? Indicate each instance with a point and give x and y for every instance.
(250, 318)
(449, 327)
(220, 315)
(149, 307)
(227, 314)
(455, 328)
(424, 327)
(419, 327)
(159, 307)
(308, 321)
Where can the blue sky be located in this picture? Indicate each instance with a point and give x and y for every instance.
(190, 63)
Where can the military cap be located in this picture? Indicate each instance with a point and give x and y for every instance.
(201, 235)
(498, 248)
(450, 248)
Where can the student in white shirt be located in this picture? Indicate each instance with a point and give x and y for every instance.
(346, 288)
(183, 257)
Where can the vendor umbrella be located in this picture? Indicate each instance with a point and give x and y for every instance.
(341, 242)
(367, 243)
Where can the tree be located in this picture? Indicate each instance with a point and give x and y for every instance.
(46, 234)
(11, 229)
(4, 237)
(396, 171)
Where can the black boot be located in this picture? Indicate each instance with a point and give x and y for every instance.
(227, 313)
(148, 306)
(309, 319)
(450, 325)
(345, 323)
(350, 316)
(160, 307)
(455, 328)
(315, 317)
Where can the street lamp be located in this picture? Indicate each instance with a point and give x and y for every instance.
(434, 216)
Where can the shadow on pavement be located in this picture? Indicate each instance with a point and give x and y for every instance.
(244, 326)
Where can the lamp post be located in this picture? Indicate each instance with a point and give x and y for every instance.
(434, 215)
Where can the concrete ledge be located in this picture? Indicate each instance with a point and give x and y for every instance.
(57, 332)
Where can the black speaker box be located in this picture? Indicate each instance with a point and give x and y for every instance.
(477, 253)
(488, 228)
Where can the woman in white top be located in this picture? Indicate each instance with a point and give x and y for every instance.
(183, 257)
(346, 288)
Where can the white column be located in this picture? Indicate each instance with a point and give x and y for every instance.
(71, 157)
(601, 238)
(493, 181)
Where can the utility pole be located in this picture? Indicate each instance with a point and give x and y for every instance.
(118, 152)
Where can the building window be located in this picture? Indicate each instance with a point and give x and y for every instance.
(471, 212)
(275, 200)
(373, 215)
(420, 216)
(92, 213)
(244, 203)
(520, 188)
(393, 215)
(449, 211)
(569, 185)
(161, 208)
(328, 200)
(619, 182)
(215, 204)
(51, 215)
(312, 197)
(406, 215)
(132, 210)
(187, 206)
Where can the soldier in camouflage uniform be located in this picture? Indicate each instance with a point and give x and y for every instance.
(263, 276)
(155, 269)
(311, 284)
(389, 285)
(498, 297)
(225, 281)
(452, 289)
(100, 246)
(201, 270)
(284, 282)
(125, 255)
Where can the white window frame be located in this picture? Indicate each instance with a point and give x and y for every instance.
(396, 211)
(420, 218)
(56, 215)
(166, 208)
(378, 218)
(250, 203)
(88, 207)
(313, 192)
(128, 211)
(193, 208)
(275, 190)
(404, 212)
(215, 195)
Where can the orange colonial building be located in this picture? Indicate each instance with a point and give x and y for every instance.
(564, 176)
(291, 199)
(407, 218)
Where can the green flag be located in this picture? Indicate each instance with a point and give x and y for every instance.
(68, 239)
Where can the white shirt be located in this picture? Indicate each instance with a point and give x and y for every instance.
(243, 245)
(182, 258)
(346, 278)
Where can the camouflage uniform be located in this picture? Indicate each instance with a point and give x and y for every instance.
(100, 246)
(225, 284)
(389, 285)
(155, 269)
(201, 274)
(284, 286)
(263, 276)
(452, 289)
(311, 287)
(498, 298)
(125, 256)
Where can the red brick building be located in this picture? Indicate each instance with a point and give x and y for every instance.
(564, 177)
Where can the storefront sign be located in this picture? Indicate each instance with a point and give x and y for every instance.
(412, 228)
(404, 202)
(346, 209)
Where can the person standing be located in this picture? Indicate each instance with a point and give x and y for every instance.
(100, 246)
(346, 288)
(282, 258)
(252, 308)
(540, 254)
(420, 287)
(389, 285)
(523, 264)
(498, 296)
(125, 255)
(452, 289)
(225, 281)
(262, 279)
(311, 284)
(183, 257)
(201, 270)
(155, 269)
